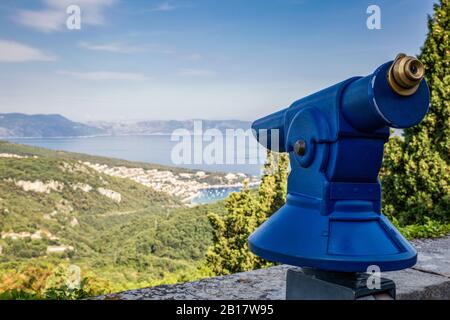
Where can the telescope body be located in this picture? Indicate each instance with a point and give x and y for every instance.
(335, 138)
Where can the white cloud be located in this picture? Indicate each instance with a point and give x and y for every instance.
(11, 51)
(53, 17)
(111, 47)
(196, 73)
(104, 75)
(165, 6)
(125, 48)
(45, 20)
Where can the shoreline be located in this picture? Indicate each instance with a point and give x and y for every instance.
(84, 145)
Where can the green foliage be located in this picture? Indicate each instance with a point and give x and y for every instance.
(429, 229)
(30, 278)
(147, 239)
(416, 171)
(273, 188)
(230, 253)
(18, 295)
(130, 251)
(245, 211)
(47, 281)
(65, 293)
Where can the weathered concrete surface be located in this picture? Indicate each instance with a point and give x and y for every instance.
(429, 279)
(434, 256)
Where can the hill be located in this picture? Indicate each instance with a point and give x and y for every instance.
(20, 125)
(57, 209)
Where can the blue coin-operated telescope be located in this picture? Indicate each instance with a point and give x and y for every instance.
(332, 218)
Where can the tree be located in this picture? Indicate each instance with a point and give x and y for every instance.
(230, 253)
(245, 211)
(416, 171)
(273, 188)
(281, 178)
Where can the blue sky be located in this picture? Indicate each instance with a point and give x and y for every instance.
(230, 59)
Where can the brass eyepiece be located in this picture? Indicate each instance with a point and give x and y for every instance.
(405, 75)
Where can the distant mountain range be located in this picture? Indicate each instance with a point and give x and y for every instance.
(166, 127)
(18, 125)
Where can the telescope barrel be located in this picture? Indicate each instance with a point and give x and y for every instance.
(269, 131)
(395, 95)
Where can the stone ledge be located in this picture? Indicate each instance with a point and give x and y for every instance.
(428, 279)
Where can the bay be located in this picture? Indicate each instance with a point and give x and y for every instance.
(150, 149)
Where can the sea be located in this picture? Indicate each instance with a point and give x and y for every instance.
(156, 149)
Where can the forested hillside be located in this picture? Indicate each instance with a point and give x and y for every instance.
(56, 211)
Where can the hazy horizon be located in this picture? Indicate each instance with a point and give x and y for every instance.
(125, 120)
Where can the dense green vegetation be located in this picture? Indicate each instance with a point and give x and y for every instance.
(146, 239)
(245, 211)
(416, 175)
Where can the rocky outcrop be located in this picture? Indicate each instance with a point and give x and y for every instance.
(40, 186)
(113, 195)
(38, 235)
(82, 186)
(74, 222)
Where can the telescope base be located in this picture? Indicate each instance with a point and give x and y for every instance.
(350, 239)
(313, 284)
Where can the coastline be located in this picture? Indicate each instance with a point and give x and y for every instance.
(149, 149)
